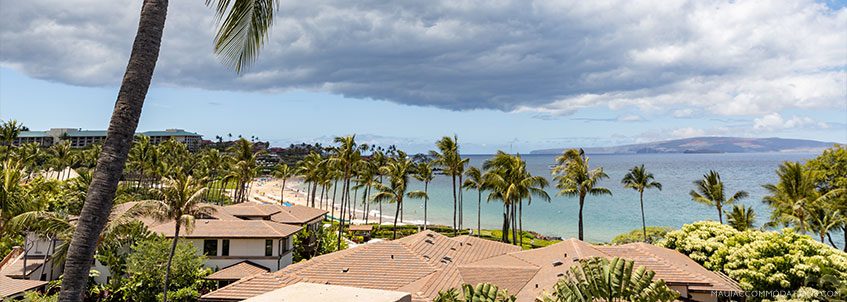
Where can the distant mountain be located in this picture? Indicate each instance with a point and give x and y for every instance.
(715, 144)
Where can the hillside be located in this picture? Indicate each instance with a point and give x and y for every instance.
(709, 145)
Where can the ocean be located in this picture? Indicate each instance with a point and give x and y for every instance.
(607, 216)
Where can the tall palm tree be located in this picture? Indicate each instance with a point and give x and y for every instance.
(741, 218)
(347, 155)
(710, 192)
(447, 158)
(476, 182)
(244, 168)
(181, 201)
(398, 171)
(639, 180)
(601, 279)
(243, 28)
(794, 196)
(284, 172)
(424, 172)
(62, 157)
(575, 177)
(139, 155)
(508, 181)
(823, 219)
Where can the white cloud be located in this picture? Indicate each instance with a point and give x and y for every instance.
(683, 113)
(551, 57)
(630, 118)
(775, 121)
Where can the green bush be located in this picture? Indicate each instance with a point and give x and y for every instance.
(146, 266)
(763, 261)
(654, 234)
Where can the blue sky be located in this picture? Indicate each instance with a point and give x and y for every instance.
(408, 79)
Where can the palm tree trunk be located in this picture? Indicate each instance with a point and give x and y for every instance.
(367, 203)
(478, 213)
(461, 204)
(426, 200)
(341, 215)
(844, 231)
(282, 191)
(107, 174)
(829, 237)
(581, 203)
(170, 259)
(314, 190)
(514, 225)
(397, 213)
(334, 190)
(455, 229)
(505, 232)
(643, 222)
(720, 214)
(520, 222)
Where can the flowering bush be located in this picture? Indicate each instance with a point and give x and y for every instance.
(758, 260)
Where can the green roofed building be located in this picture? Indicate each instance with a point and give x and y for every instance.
(83, 138)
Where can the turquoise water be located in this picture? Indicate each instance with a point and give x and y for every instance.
(607, 216)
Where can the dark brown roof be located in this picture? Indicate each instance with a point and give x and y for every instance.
(238, 271)
(212, 228)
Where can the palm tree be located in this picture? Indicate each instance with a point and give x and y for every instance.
(741, 218)
(482, 292)
(508, 181)
(476, 182)
(244, 167)
(347, 155)
(639, 180)
(795, 195)
(823, 219)
(180, 201)
(62, 158)
(284, 172)
(139, 155)
(243, 28)
(710, 192)
(398, 170)
(449, 161)
(424, 172)
(601, 279)
(574, 177)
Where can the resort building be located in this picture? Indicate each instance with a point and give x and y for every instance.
(426, 263)
(79, 138)
(238, 241)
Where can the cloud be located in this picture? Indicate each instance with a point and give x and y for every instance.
(775, 121)
(683, 113)
(547, 57)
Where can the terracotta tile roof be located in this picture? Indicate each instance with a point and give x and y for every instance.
(238, 271)
(211, 228)
(10, 287)
(122, 208)
(297, 214)
(251, 209)
(293, 214)
(427, 262)
(15, 268)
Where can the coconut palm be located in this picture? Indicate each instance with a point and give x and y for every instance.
(710, 191)
(575, 177)
(476, 182)
(244, 25)
(424, 172)
(398, 171)
(62, 158)
(824, 219)
(347, 155)
(639, 180)
(795, 195)
(284, 172)
(244, 167)
(741, 218)
(9, 131)
(180, 200)
(509, 182)
(601, 279)
(482, 292)
(447, 158)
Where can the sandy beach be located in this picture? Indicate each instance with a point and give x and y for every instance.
(267, 190)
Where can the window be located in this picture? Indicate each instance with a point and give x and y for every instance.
(283, 246)
(269, 247)
(225, 247)
(210, 247)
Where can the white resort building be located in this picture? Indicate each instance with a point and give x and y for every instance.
(79, 138)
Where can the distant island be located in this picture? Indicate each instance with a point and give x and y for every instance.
(712, 144)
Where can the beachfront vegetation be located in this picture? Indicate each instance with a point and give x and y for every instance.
(574, 177)
(710, 191)
(741, 218)
(639, 180)
(397, 170)
(310, 243)
(616, 279)
(654, 234)
(762, 260)
(508, 181)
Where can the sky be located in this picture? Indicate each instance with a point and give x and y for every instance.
(502, 75)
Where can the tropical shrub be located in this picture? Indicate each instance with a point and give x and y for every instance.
(308, 243)
(145, 269)
(601, 279)
(654, 234)
(763, 261)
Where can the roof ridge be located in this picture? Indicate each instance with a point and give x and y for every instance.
(640, 248)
